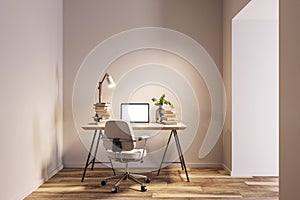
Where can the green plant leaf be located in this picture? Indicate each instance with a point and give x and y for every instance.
(162, 101)
(154, 99)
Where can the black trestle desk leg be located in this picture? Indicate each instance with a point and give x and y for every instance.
(181, 155)
(96, 150)
(178, 150)
(89, 155)
(162, 160)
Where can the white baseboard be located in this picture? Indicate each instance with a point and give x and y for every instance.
(29, 190)
(82, 165)
(189, 165)
(202, 165)
(37, 184)
(254, 173)
(226, 168)
(55, 171)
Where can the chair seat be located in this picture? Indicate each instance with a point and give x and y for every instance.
(132, 155)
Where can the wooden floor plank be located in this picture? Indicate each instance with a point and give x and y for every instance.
(170, 184)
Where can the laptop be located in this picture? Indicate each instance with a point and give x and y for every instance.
(135, 112)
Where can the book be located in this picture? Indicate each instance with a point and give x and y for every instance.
(170, 115)
(172, 119)
(103, 114)
(169, 112)
(102, 104)
(103, 110)
(170, 122)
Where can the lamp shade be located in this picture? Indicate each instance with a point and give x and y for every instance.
(110, 82)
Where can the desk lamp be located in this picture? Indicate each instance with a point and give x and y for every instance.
(110, 83)
(102, 109)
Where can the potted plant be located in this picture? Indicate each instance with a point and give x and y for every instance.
(160, 118)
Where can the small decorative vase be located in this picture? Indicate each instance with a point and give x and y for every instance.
(160, 117)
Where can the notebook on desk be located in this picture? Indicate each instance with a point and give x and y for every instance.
(135, 112)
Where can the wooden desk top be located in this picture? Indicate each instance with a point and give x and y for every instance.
(136, 126)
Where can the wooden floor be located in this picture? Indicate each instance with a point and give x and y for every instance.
(170, 184)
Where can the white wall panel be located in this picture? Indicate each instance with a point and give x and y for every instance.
(255, 90)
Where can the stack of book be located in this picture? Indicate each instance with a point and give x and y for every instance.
(103, 110)
(170, 117)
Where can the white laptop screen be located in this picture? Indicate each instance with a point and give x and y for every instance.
(135, 112)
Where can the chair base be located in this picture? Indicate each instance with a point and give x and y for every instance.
(125, 176)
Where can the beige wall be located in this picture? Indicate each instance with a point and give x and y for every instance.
(31, 94)
(87, 23)
(289, 100)
(230, 9)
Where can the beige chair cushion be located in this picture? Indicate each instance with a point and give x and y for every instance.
(132, 155)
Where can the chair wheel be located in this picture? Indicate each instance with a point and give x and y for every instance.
(115, 189)
(143, 188)
(103, 183)
(147, 180)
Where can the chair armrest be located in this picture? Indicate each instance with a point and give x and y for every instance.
(144, 137)
(121, 140)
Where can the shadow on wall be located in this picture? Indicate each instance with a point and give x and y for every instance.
(39, 146)
(47, 132)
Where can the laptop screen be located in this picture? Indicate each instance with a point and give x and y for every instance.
(135, 112)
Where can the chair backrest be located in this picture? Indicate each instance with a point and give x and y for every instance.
(118, 129)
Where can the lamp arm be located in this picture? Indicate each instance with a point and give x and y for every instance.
(100, 86)
(106, 74)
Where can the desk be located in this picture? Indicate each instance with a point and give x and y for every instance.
(151, 126)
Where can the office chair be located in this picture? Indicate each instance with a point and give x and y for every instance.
(120, 144)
